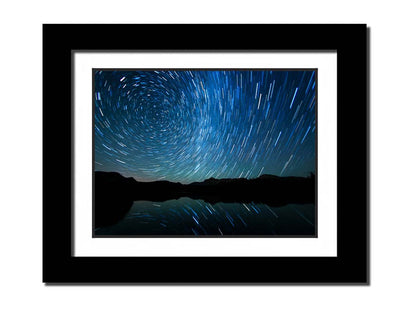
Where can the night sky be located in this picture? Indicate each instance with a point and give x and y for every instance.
(187, 126)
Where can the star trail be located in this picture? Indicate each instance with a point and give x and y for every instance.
(191, 125)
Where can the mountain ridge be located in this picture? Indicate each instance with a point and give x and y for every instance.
(209, 180)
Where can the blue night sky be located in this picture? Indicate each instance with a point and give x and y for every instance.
(190, 125)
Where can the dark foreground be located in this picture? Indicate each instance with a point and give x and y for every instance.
(115, 195)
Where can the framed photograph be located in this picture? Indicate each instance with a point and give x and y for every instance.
(237, 156)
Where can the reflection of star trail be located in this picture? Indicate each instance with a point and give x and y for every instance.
(197, 217)
(191, 125)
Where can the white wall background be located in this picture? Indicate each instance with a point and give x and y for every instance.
(393, 155)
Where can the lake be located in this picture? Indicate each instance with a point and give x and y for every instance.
(189, 217)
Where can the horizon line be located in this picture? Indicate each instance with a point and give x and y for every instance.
(161, 180)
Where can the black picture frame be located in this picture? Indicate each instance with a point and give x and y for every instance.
(350, 266)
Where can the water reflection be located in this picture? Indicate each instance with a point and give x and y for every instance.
(187, 216)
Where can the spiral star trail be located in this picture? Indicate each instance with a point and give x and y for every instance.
(191, 125)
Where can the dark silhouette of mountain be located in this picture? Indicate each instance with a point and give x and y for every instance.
(114, 194)
(268, 176)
